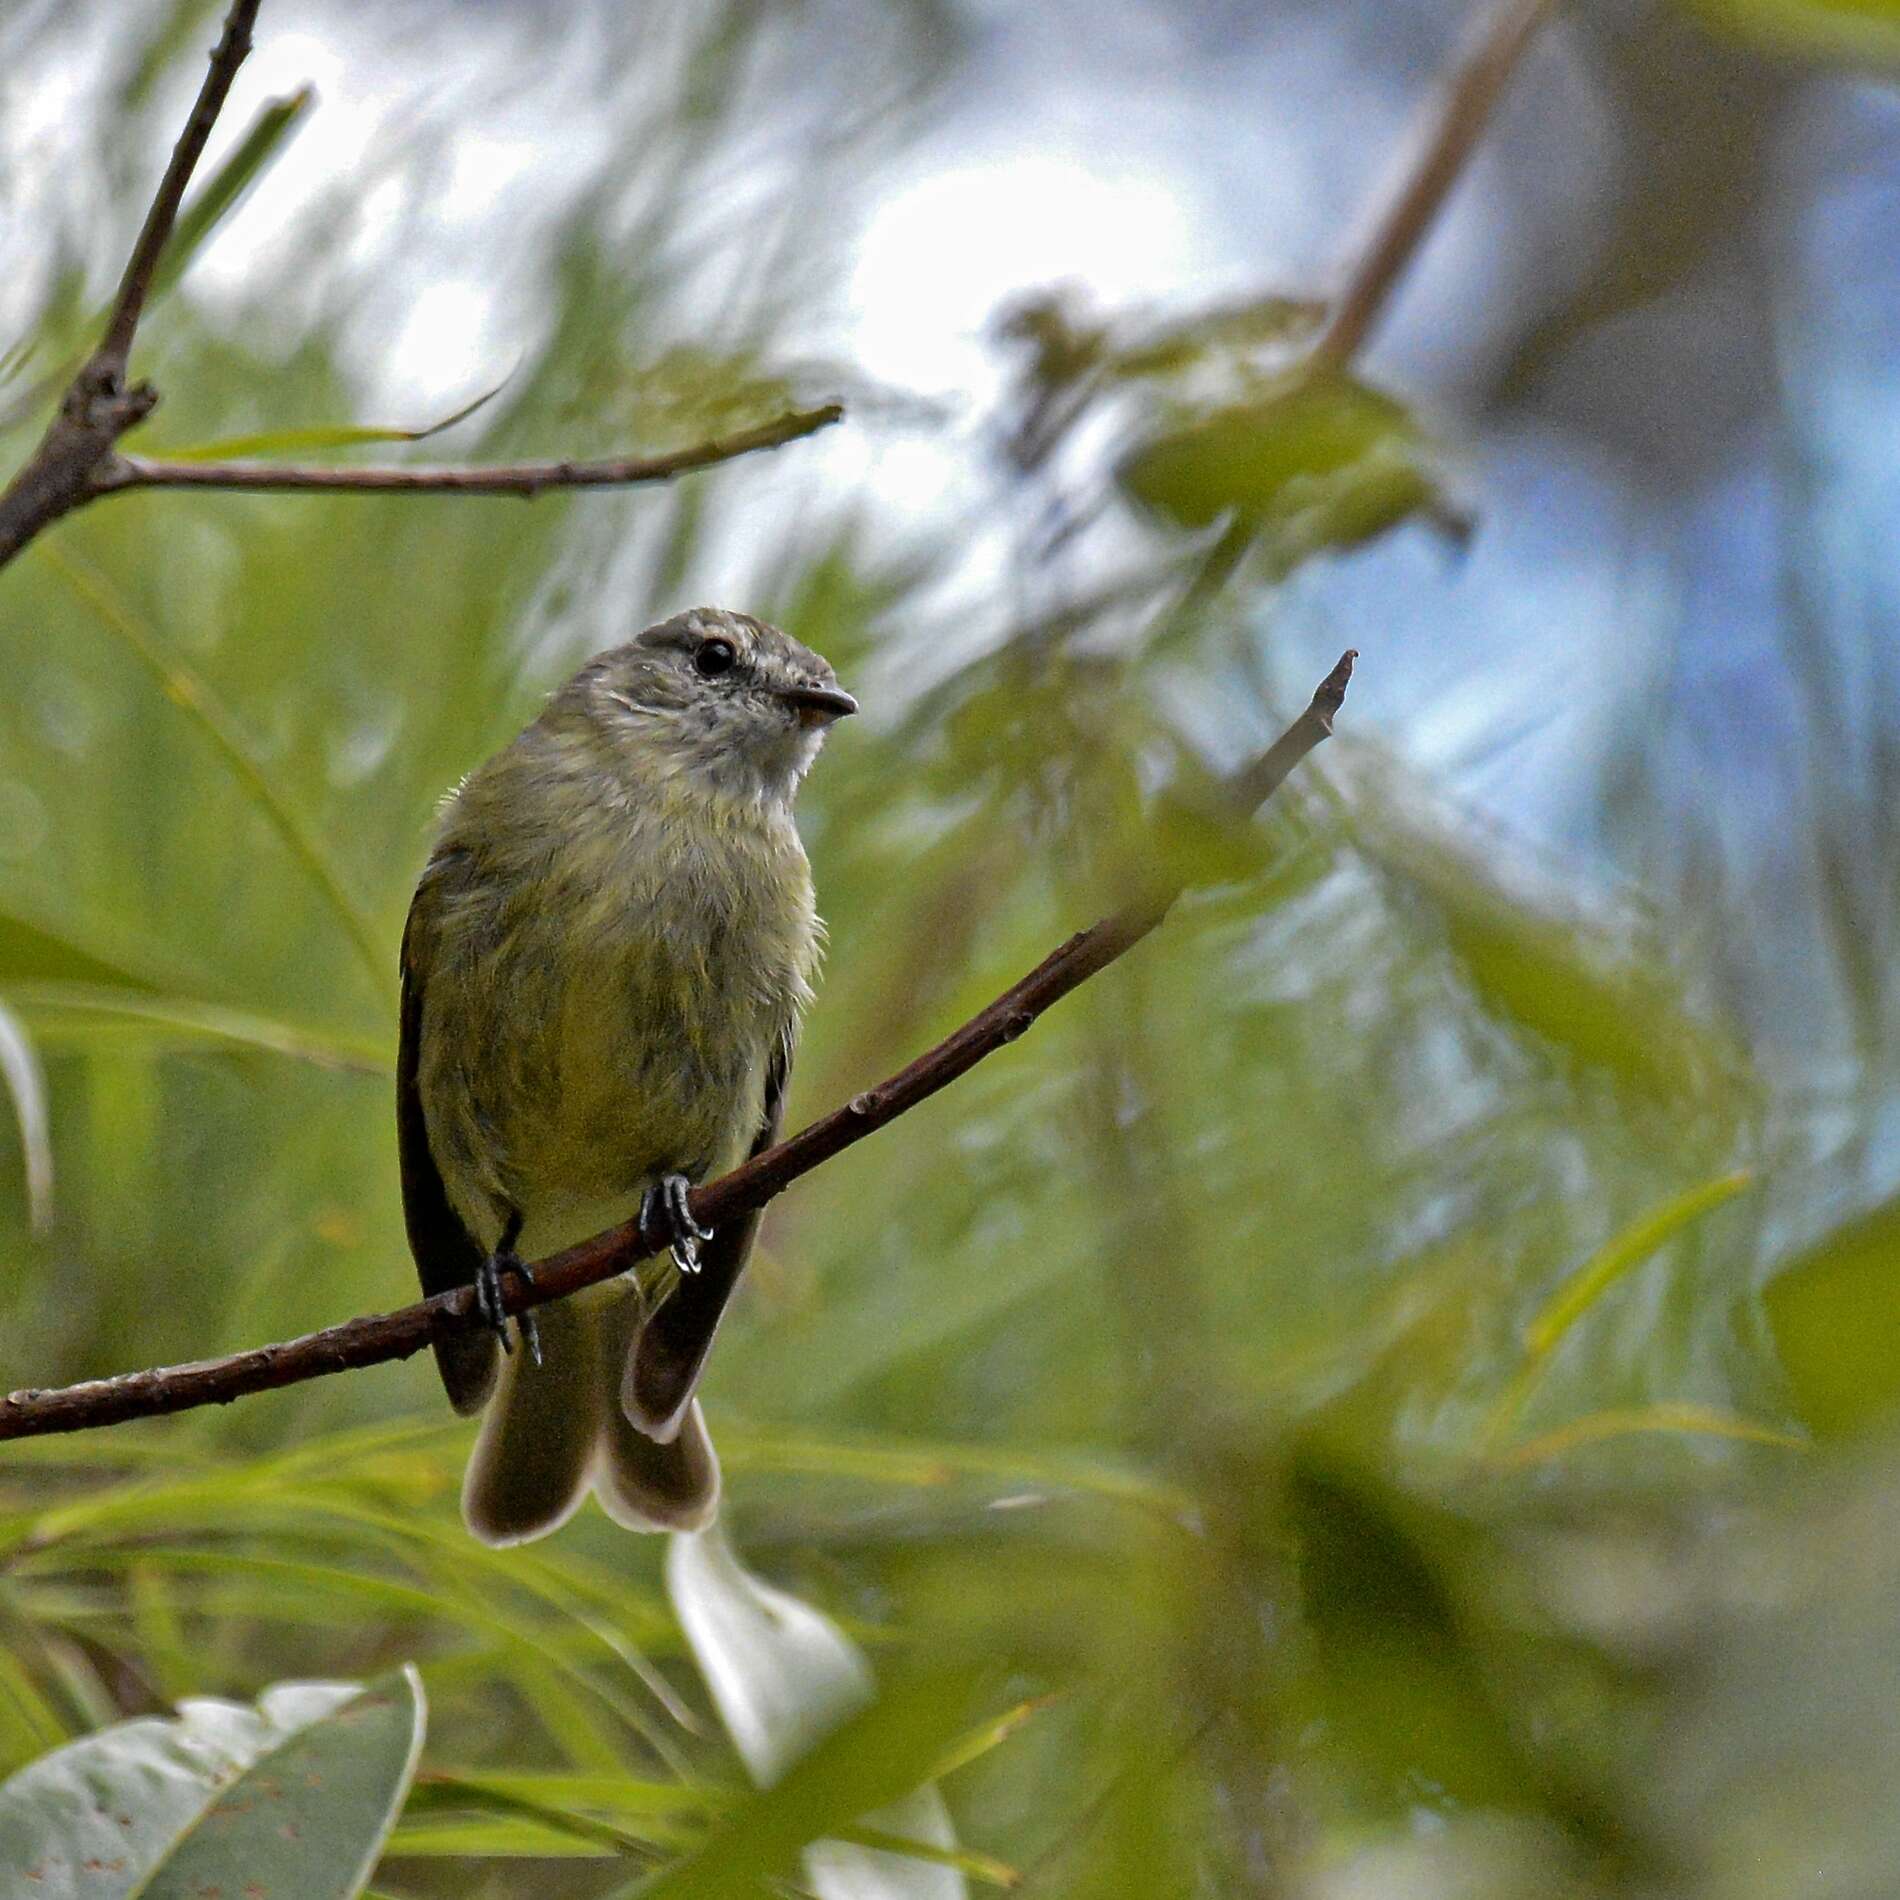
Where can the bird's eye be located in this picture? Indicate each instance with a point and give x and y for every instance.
(713, 658)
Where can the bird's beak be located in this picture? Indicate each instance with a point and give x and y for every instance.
(818, 706)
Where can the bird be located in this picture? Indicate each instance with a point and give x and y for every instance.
(604, 971)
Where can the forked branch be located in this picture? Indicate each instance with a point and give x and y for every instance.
(77, 460)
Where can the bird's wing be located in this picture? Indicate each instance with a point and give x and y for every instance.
(670, 1354)
(446, 1254)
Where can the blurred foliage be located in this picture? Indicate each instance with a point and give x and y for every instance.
(1859, 30)
(1306, 1421)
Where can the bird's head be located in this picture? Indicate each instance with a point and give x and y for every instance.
(716, 698)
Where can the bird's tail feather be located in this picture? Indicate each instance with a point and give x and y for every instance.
(552, 1430)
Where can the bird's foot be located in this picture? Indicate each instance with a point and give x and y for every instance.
(666, 1220)
(488, 1298)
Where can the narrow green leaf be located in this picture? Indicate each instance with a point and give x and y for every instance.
(78, 1016)
(868, 1764)
(1668, 1419)
(1625, 1252)
(196, 698)
(1612, 1262)
(929, 1463)
(984, 1867)
(33, 953)
(989, 1734)
(336, 435)
(264, 138)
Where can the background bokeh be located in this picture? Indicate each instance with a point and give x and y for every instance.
(1384, 1389)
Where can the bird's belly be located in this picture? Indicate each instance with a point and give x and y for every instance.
(584, 1087)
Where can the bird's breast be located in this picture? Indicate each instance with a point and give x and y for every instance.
(611, 1012)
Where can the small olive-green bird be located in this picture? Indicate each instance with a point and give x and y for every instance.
(602, 979)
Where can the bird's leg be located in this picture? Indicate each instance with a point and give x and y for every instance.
(488, 1290)
(666, 1220)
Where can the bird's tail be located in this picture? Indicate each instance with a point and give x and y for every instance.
(552, 1431)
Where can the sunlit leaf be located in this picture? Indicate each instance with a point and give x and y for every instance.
(784, 1678)
(26, 1087)
(1626, 1251)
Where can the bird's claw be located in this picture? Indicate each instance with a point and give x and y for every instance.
(666, 1220)
(489, 1305)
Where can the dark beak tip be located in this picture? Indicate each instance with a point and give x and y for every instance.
(820, 705)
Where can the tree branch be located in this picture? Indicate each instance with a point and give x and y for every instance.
(524, 479)
(231, 51)
(1450, 132)
(77, 460)
(377, 1337)
(99, 405)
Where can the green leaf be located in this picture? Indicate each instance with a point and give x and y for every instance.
(1324, 457)
(1403, 1690)
(1669, 1419)
(1623, 1254)
(1830, 1311)
(289, 1800)
(1864, 31)
(68, 1017)
(263, 140)
(1598, 997)
(1618, 1257)
(31, 953)
(196, 698)
(336, 435)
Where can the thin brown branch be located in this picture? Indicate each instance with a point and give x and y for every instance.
(1446, 140)
(77, 459)
(99, 405)
(231, 51)
(378, 1337)
(522, 479)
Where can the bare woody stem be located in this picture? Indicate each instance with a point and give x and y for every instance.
(231, 51)
(378, 1337)
(100, 405)
(77, 460)
(522, 479)
(1453, 125)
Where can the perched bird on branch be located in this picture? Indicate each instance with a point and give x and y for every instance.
(602, 978)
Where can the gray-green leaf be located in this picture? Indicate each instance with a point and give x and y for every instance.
(289, 1800)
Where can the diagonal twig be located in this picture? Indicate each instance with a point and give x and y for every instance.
(522, 479)
(1451, 130)
(371, 1340)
